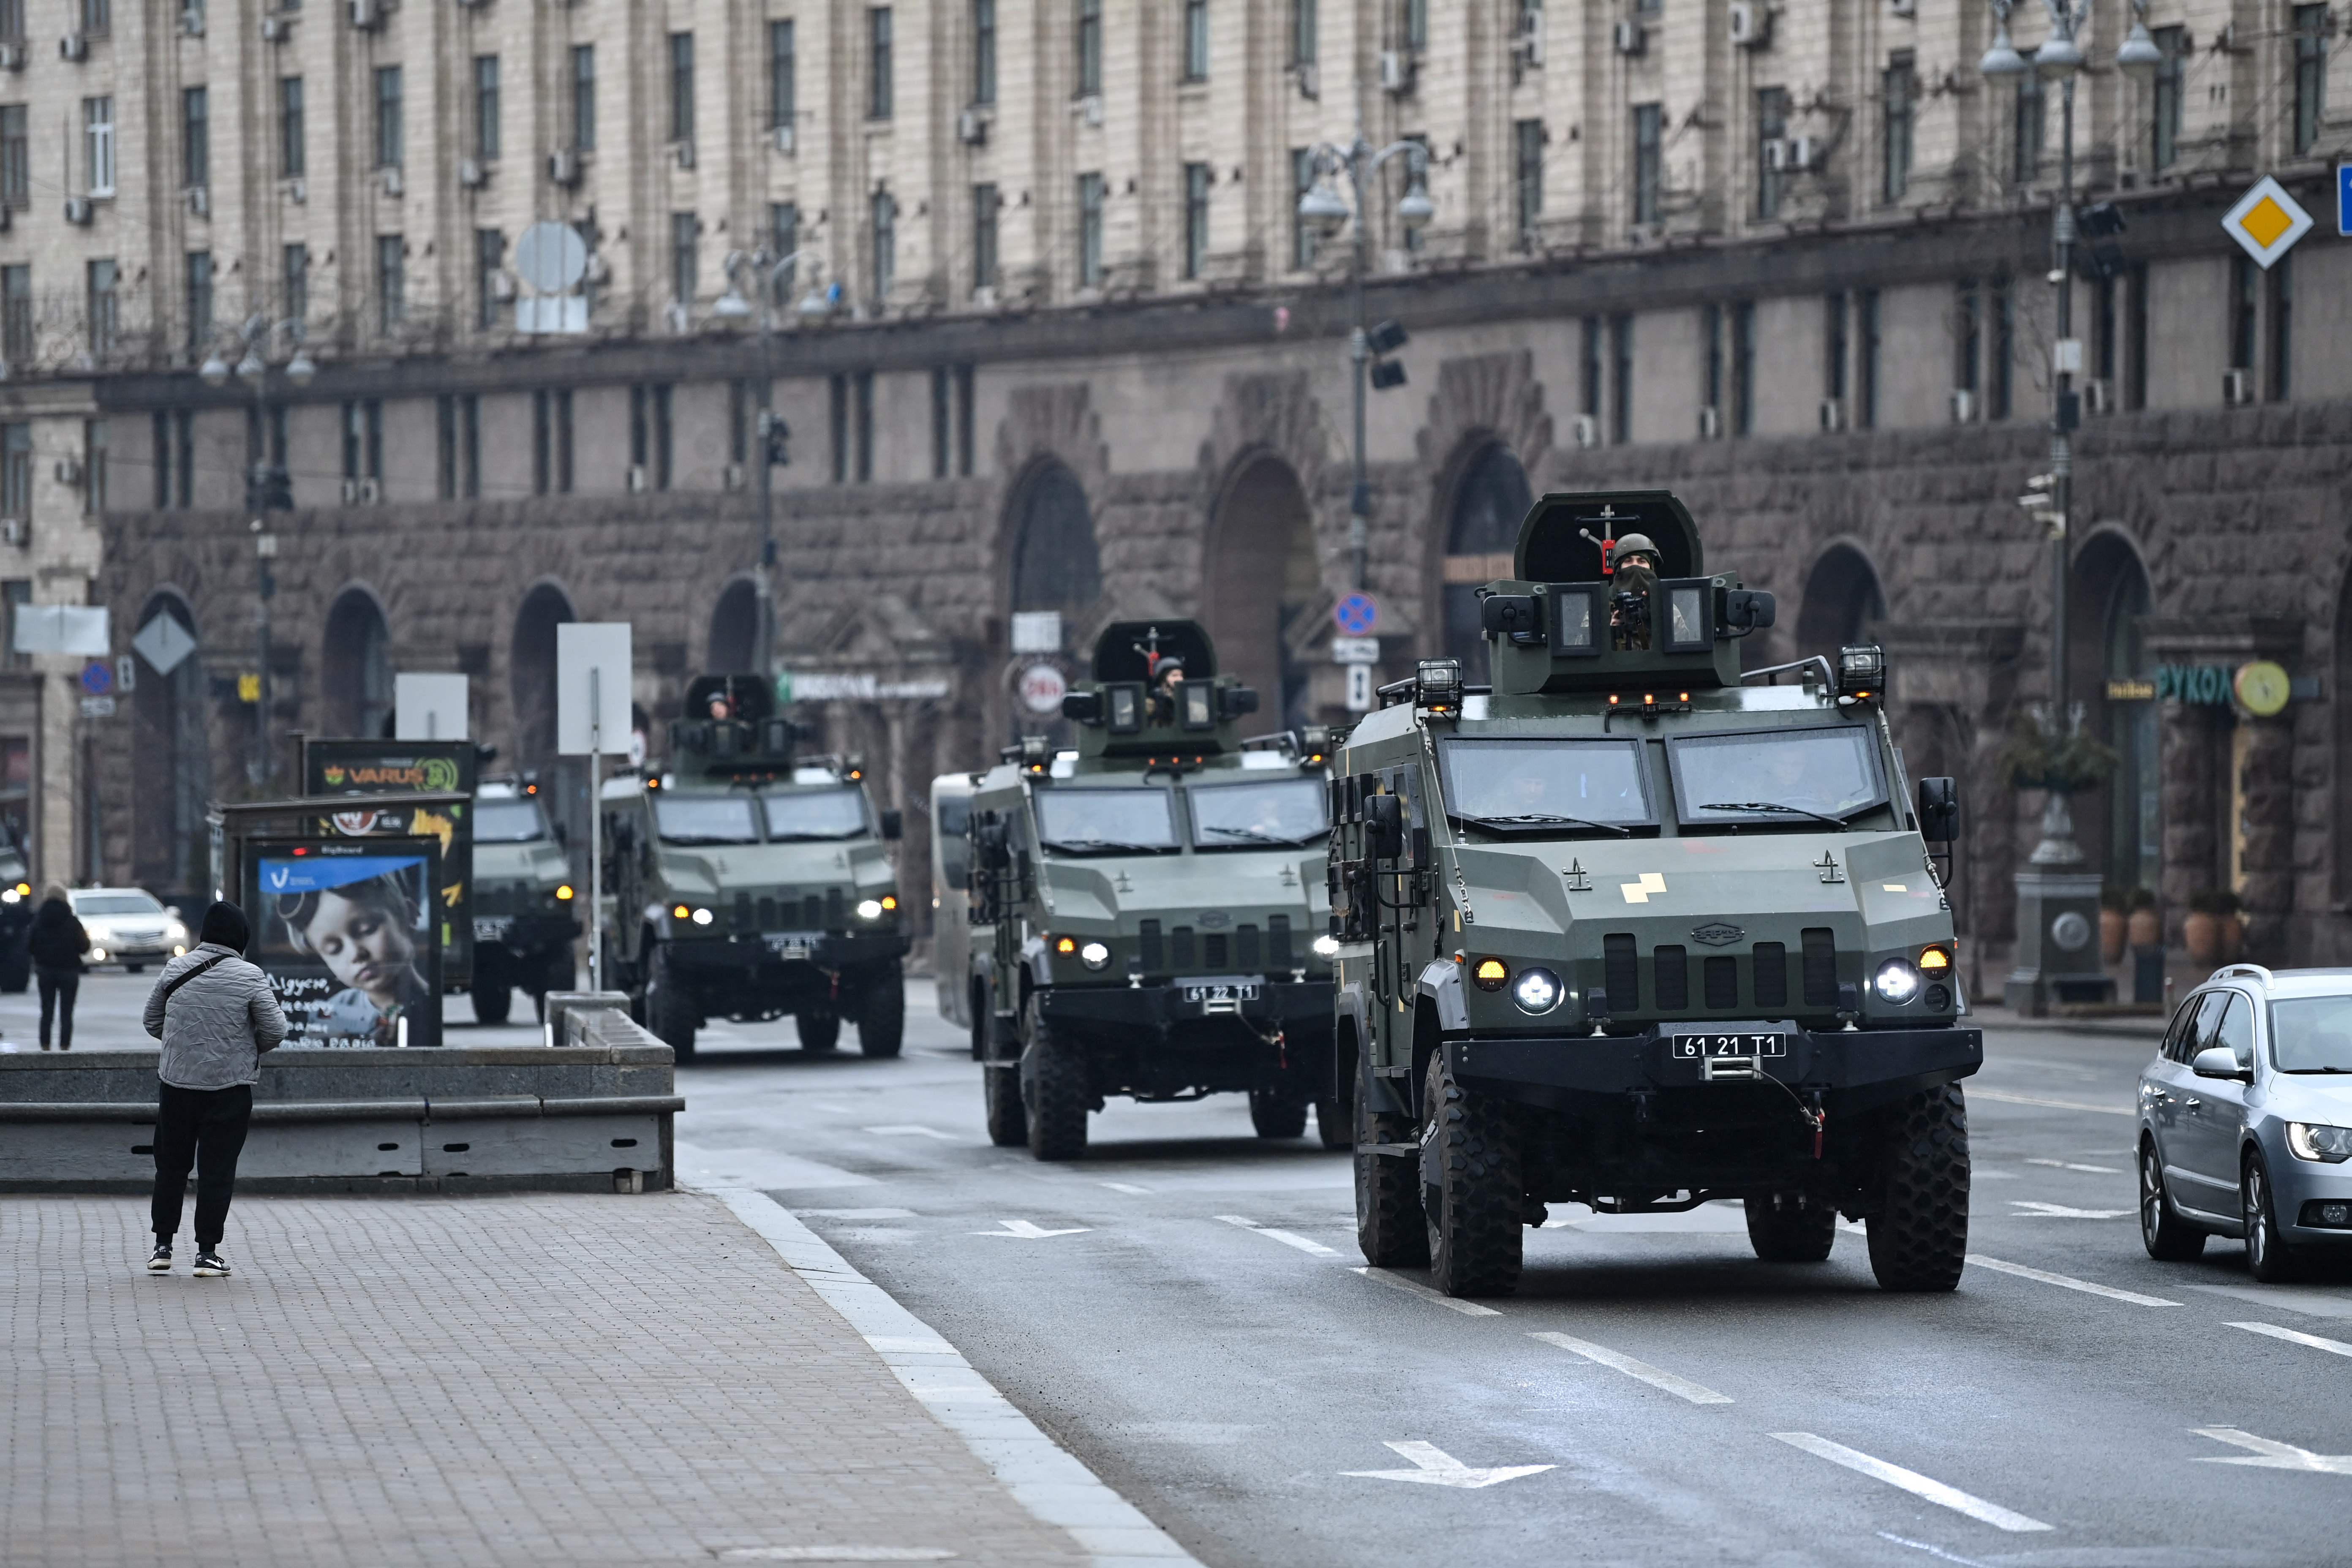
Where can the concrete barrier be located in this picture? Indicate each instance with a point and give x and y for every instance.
(592, 1112)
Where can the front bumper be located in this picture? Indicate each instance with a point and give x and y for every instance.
(2303, 1190)
(1848, 1071)
(780, 957)
(526, 935)
(1193, 1002)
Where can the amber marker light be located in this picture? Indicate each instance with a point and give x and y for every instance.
(1066, 946)
(680, 912)
(1490, 973)
(1934, 960)
(564, 892)
(889, 900)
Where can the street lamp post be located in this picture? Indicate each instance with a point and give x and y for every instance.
(1325, 212)
(769, 269)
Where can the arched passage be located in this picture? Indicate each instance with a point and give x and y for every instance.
(2342, 823)
(530, 667)
(170, 848)
(1482, 530)
(1843, 603)
(2109, 596)
(1056, 564)
(735, 631)
(355, 666)
(1260, 578)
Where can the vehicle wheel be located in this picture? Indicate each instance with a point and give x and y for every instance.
(1919, 1234)
(1391, 1231)
(819, 1029)
(669, 1008)
(562, 972)
(1053, 1088)
(1275, 1117)
(882, 1013)
(134, 969)
(493, 1000)
(1472, 1207)
(2268, 1257)
(1000, 1090)
(1790, 1227)
(1333, 1124)
(2168, 1238)
(980, 1018)
(15, 964)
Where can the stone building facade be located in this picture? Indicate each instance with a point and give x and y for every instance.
(1081, 357)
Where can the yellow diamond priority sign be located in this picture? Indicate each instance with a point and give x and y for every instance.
(2266, 222)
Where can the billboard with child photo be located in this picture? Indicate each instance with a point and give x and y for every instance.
(345, 930)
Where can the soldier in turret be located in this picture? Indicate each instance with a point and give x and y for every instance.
(1634, 573)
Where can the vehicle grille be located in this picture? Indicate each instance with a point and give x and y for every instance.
(1148, 941)
(1770, 964)
(745, 912)
(1621, 971)
(1181, 941)
(494, 901)
(1248, 951)
(1669, 977)
(1278, 933)
(767, 908)
(812, 912)
(1722, 983)
(1213, 951)
(1821, 967)
(834, 916)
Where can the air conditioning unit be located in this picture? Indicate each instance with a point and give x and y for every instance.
(972, 128)
(788, 139)
(78, 209)
(1710, 423)
(2237, 387)
(298, 190)
(469, 172)
(191, 22)
(370, 491)
(685, 152)
(1310, 79)
(13, 530)
(73, 47)
(1964, 406)
(1751, 24)
(637, 477)
(200, 201)
(732, 477)
(564, 167)
(1776, 151)
(367, 15)
(350, 491)
(2099, 396)
(1396, 71)
(502, 286)
(599, 269)
(68, 470)
(1527, 43)
(1631, 37)
(1587, 430)
(1089, 109)
(1832, 413)
(1802, 151)
(393, 183)
(12, 57)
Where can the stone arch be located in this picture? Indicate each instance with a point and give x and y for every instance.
(1842, 604)
(355, 666)
(531, 669)
(2118, 826)
(1052, 558)
(1261, 583)
(1478, 532)
(170, 846)
(734, 647)
(1484, 407)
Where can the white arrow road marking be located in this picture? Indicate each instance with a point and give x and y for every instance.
(1656, 1377)
(2069, 1282)
(2070, 1166)
(2038, 1210)
(908, 1130)
(1029, 1231)
(1432, 1465)
(2270, 1456)
(1287, 1237)
(1415, 1288)
(1978, 1091)
(2335, 1346)
(1911, 1481)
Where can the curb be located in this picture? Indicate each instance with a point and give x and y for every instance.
(1053, 1484)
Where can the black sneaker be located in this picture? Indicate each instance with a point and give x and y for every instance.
(211, 1265)
(161, 1262)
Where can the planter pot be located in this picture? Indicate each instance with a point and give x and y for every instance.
(2145, 928)
(2202, 936)
(2232, 933)
(2112, 928)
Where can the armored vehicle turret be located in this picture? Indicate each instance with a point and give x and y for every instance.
(1636, 929)
(748, 881)
(1148, 911)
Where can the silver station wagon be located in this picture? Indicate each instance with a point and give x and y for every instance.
(2246, 1120)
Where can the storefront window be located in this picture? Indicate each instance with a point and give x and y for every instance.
(2134, 851)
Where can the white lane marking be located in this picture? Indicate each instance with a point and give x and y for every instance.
(2311, 1303)
(1128, 1187)
(1415, 1288)
(1029, 1230)
(1911, 1481)
(859, 1214)
(1287, 1237)
(836, 1554)
(908, 1130)
(2070, 1166)
(2269, 1455)
(1980, 1174)
(1656, 1377)
(757, 1169)
(1043, 1477)
(2335, 1347)
(2068, 1281)
(1978, 1091)
(2035, 1209)
(1432, 1465)
(1933, 1550)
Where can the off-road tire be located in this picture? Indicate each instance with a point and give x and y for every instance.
(1919, 1230)
(1391, 1231)
(1334, 1126)
(1054, 1093)
(819, 1029)
(493, 992)
(669, 1007)
(2168, 1238)
(2268, 1257)
(1789, 1227)
(999, 1093)
(1275, 1117)
(1474, 1205)
(882, 1013)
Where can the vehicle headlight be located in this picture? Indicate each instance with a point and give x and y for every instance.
(702, 917)
(1326, 946)
(1095, 956)
(175, 931)
(2311, 1140)
(869, 908)
(1897, 980)
(1536, 991)
(179, 948)
(98, 955)
(11, 896)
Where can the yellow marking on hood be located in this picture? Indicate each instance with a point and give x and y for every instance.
(1893, 888)
(1639, 892)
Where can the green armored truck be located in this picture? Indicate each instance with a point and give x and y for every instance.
(1147, 910)
(1632, 928)
(747, 882)
(16, 909)
(524, 901)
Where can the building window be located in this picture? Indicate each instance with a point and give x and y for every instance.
(16, 158)
(1865, 362)
(486, 106)
(1089, 43)
(1898, 90)
(2135, 349)
(1835, 351)
(363, 439)
(196, 137)
(2002, 377)
(1968, 335)
(1710, 337)
(1588, 379)
(391, 281)
(886, 246)
(489, 263)
(2029, 135)
(1196, 218)
(291, 159)
(17, 471)
(11, 21)
(16, 316)
(837, 426)
(294, 274)
(685, 234)
(583, 97)
(984, 51)
(97, 17)
(2245, 310)
(2164, 101)
(862, 385)
(966, 420)
(984, 237)
(1090, 231)
(550, 442)
(1302, 179)
(878, 71)
(199, 302)
(388, 141)
(447, 413)
(784, 240)
(665, 441)
(1302, 32)
(94, 455)
(1649, 122)
(1527, 167)
(1743, 367)
(160, 444)
(681, 87)
(2103, 329)
(2281, 279)
(97, 144)
(1416, 24)
(1771, 141)
(1621, 353)
(783, 86)
(103, 305)
(2310, 74)
(942, 421)
(1196, 40)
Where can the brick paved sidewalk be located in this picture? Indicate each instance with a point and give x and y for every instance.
(534, 1379)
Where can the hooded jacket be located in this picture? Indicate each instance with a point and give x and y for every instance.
(58, 939)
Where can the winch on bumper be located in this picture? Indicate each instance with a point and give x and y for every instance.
(1260, 1005)
(754, 957)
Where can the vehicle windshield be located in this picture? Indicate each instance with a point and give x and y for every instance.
(2312, 1034)
(1547, 787)
(507, 822)
(705, 819)
(815, 813)
(1251, 815)
(1797, 777)
(115, 904)
(1098, 821)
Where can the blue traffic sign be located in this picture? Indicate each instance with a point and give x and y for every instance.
(1355, 613)
(97, 677)
(2344, 199)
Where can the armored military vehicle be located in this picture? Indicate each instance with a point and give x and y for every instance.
(525, 903)
(951, 888)
(748, 881)
(16, 909)
(1147, 909)
(1636, 930)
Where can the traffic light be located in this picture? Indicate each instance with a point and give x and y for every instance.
(775, 436)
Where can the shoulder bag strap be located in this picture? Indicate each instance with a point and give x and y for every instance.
(181, 979)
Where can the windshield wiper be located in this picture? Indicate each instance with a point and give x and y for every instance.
(1776, 808)
(1546, 819)
(2301, 1071)
(814, 837)
(1258, 835)
(1101, 844)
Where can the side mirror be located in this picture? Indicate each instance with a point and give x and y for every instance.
(1511, 616)
(2218, 1061)
(894, 824)
(1383, 826)
(1082, 707)
(1940, 810)
(1233, 701)
(1747, 610)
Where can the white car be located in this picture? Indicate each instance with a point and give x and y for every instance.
(127, 926)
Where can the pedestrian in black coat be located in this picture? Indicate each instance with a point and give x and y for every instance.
(57, 943)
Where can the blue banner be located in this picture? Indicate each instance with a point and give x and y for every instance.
(307, 876)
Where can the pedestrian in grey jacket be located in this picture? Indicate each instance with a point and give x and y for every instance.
(216, 1015)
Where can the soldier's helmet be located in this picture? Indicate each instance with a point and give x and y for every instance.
(1634, 544)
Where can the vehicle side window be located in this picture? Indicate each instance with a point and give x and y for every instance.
(2183, 1030)
(2237, 1032)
